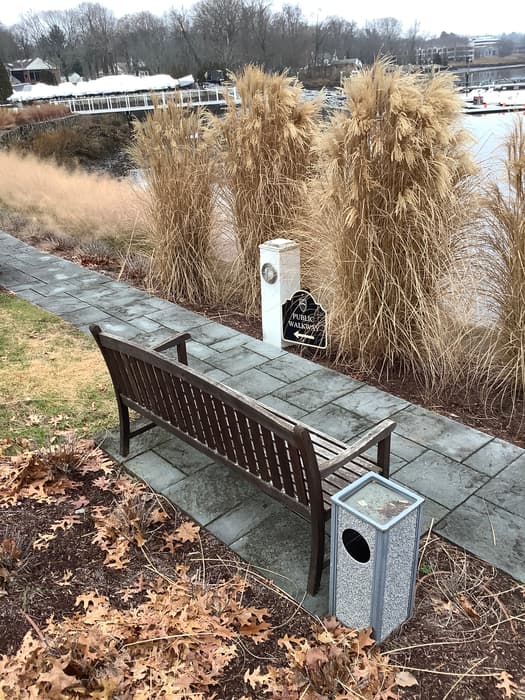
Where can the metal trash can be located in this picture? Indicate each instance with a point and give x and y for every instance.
(374, 554)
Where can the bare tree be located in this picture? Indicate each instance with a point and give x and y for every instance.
(291, 38)
(381, 37)
(340, 37)
(256, 30)
(212, 34)
(219, 23)
(8, 46)
(97, 32)
(412, 40)
(141, 40)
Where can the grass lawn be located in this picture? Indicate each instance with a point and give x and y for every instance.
(52, 377)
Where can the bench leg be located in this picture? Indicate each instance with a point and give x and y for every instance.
(383, 456)
(123, 413)
(316, 557)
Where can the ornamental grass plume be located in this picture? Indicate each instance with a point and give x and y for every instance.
(174, 147)
(267, 153)
(503, 248)
(388, 213)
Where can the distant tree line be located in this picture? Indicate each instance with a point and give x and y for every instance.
(91, 41)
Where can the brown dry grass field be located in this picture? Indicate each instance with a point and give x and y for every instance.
(77, 203)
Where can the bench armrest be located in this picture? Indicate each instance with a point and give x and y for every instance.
(180, 342)
(378, 435)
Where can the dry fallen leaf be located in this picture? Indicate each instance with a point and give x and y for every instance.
(365, 638)
(255, 678)
(467, 606)
(315, 656)
(80, 502)
(506, 684)
(187, 532)
(442, 605)
(404, 679)
(158, 515)
(103, 483)
(388, 694)
(33, 419)
(57, 679)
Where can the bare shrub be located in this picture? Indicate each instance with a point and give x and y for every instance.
(503, 248)
(267, 155)
(84, 205)
(59, 144)
(386, 222)
(174, 148)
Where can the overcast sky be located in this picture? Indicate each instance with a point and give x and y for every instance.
(487, 17)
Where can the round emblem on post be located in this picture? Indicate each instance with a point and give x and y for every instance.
(269, 273)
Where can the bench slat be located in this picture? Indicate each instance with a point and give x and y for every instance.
(182, 412)
(163, 403)
(229, 449)
(251, 461)
(299, 475)
(218, 435)
(284, 462)
(212, 424)
(272, 460)
(258, 446)
(231, 418)
(195, 407)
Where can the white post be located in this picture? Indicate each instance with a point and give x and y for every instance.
(280, 271)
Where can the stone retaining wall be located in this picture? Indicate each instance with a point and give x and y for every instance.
(24, 131)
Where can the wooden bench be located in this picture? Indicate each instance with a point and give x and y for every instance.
(292, 462)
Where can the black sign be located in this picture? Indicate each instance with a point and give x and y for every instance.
(304, 321)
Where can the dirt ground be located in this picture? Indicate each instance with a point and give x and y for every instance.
(81, 542)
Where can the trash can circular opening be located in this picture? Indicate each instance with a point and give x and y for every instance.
(356, 545)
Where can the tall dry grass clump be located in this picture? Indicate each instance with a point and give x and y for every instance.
(386, 217)
(174, 147)
(84, 205)
(267, 154)
(504, 259)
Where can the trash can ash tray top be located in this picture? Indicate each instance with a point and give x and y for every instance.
(377, 500)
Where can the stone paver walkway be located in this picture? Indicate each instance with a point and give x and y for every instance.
(473, 483)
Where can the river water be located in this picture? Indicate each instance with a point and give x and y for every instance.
(489, 131)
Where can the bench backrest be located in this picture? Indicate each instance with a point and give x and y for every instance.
(234, 427)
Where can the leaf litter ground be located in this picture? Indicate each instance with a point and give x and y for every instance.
(107, 591)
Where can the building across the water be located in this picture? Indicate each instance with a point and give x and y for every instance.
(455, 49)
(30, 71)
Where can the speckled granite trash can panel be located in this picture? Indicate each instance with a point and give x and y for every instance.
(375, 536)
(400, 572)
(351, 598)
